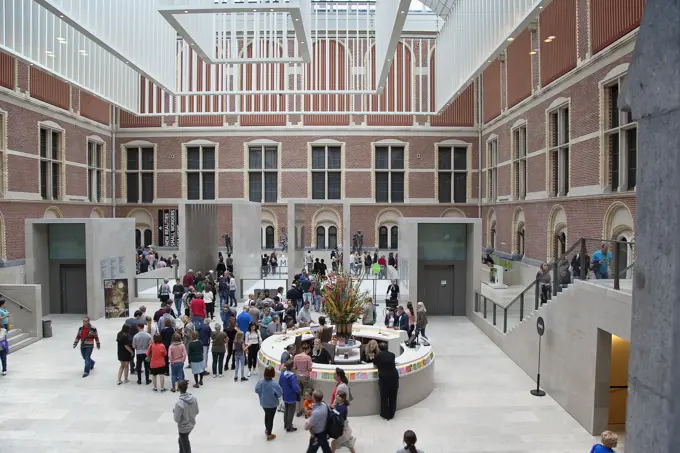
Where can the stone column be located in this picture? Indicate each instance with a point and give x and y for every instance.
(652, 92)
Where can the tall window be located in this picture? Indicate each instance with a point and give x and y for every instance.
(388, 237)
(262, 175)
(326, 237)
(519, 162)
(519, 239)
(50, 163)
(394, 237)
(558, 151)
(452, 174)
(320, 237)
(95, 171)
(332, 237)
(268, 237)
(201, 172)
(389, 174)
(492, 170)
(621, 142)
(382, 237)
(140, 168)
(326, 173)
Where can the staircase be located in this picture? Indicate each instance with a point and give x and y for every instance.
(18, 339)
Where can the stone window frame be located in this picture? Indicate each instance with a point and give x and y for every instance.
(310, 171)
(262, 143)
(101, 169)
(201, 171)
(562, 148)
(390, 143)
(51, 128)
(491, 169)
(138, 145)
(520, 150)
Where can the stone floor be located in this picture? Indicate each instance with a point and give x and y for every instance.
(481, 403)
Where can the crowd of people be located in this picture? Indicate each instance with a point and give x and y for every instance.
(148, 260)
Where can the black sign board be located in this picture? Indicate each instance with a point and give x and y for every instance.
(168, 226)
(540, 326)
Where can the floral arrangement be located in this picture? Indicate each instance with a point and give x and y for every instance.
(343, 300)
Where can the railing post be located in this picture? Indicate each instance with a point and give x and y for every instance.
(521, 307)
(537, 296)
(617, 254)
(584, 251)
(555, 277)
(505, 319)
(476, 302)
(484, 307)
(494, 314)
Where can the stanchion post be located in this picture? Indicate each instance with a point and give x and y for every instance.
(540, 327)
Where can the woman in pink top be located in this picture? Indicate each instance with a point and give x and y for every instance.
(303, 366)
(177, 355)
(156, 356)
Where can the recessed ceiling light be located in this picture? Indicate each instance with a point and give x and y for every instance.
(61, 15)
(185, 11)
(272, 9)
(127, 62)
(302, 42)
(402, 12)
(551, 37)
(59, 38)
(489, 61)
(511, 39)
(547, 40)
(533, 52)
(63, 42)
(540, 7)
(82, 51)
(51, 55)
(84, 54)
(48, 52)
(255, 10)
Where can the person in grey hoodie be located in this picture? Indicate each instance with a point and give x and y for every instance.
(185, 412)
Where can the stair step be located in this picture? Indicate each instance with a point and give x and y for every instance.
(13, 333)
(17, 338)
(22, 344)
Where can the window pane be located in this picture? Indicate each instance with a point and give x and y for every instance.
(255, 186)
(318, 158)
(631, 140)
(133, 187)
(319, 185)
(394, 237)
(460, 158)
(460, 187)
(444, 187)
(43, 179)
(320, 237)
(333, 185)
(255, 158)
(147, 158)
(565, 126)
(90, 154)
(614, 161)
(334, 158)
(55, 181)
(332, 237)
(133, 159)
(43, 143)
(208, 185)
(209, 158)
(553, 129)
(382, 187)
(613, 106)
(193, 158)
(98, 156)
(397, 187)
(270, 161)
(147, 187)
(381, 158)
(194, 186)
(397, 158)
(148, 239)
(98, 188)
(444, 158)
(270, 189)
(565, 170)
(90, 185)
(55, 145)
(269, 237)
(382, 237)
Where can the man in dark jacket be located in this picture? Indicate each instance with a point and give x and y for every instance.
(204, 336)
(388, 381)
(177, 293)
(401, 321)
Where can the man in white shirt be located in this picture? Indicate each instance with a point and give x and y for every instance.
(232, 291)
(304, 317)
(309, 260)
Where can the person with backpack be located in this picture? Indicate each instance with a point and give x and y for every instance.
(346, 440)
(318, 425)
(223, 287)
(291, 395)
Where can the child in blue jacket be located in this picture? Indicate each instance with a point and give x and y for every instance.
(291, 394)
(609, 441)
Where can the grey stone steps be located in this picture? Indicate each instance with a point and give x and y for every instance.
(18, 339)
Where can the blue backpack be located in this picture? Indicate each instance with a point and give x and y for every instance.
(335, 425)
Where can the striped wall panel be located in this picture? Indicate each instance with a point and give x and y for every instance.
(7, 73)
(254, 77)
(519, 68)
(404, 91)
(491, 87)
(325, 103)
(461, 112)
(558, 57)
(128, 120)
(94, 108)
(612, 19)
(208, 103)
(48, 88)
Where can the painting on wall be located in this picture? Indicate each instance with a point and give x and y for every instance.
(116, 298)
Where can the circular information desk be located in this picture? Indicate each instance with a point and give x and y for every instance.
(415, 366)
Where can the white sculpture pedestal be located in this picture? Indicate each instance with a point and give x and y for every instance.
(496, 277)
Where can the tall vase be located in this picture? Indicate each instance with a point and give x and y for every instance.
(343, 330)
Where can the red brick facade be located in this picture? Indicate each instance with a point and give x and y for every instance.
(509, 99)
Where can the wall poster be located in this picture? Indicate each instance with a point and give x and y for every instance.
(168, 228)
(116, 298)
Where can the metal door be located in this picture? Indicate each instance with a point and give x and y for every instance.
(73, 288)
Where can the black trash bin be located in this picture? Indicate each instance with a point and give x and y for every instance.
(47, 328)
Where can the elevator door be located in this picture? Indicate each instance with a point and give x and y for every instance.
(73, 288)
(438, 289)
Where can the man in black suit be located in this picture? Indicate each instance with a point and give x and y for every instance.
(388, 381)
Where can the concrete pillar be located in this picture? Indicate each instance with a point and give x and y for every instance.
(652, 92)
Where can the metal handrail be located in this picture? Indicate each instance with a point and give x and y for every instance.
(21, 306)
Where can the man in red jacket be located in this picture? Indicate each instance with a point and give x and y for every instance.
(383, 266)
(198, 311)
(87, 337)
(188, 280)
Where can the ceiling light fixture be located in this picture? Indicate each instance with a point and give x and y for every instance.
(84, 54)
(59, 38)
(62, 16)
(185, 11)
(551, 37)
(403, 12)
(533, 52)
(48, 52)
(510, 39)
(51, 55)
(63, 41)
(547, 40)
(254, 10)
(272, 9)
(297, 19)
(82, 51)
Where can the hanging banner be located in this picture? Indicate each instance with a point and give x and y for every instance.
(168, 228)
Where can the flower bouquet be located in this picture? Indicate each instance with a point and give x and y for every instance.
(344, 301)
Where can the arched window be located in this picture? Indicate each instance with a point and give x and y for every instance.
(520, 239)
(320, 237)
(138, 238)
(269, 237)
(394, 237)
(332, 237)
(492, 238)
(560, 242)
(147, 238)
(382, 237)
